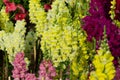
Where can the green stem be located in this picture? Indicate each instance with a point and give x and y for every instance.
(60, 74)
(6, 66)
(71, 75)
(6, 59)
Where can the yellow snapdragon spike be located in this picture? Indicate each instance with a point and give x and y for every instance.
(62, 39)
(37, 15)
(104, 67)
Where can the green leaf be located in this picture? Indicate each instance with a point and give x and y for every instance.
(1, 4)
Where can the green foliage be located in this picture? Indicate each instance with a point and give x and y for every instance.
(1, 4)
(23, 2)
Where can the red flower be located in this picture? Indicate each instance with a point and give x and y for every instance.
(20, 16)
(47, 7)
(10, 7)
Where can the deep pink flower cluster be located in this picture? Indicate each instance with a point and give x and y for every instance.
(46, 70)
(11, 6)
(98, 19)
(30, 76)
(19, 65)
(117, 76)
(100, 8)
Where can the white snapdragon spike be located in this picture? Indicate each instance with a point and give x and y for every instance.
(14, 42)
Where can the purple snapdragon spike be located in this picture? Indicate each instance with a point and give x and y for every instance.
(46, 70)
(19, 65)
(98, 19)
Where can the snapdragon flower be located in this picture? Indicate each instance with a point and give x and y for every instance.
(14, 42)
(95, 22)
(46, 70)
(104, 67)
(19, 65)
(30, 76)
(37, 16)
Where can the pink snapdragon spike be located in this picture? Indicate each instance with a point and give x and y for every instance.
(47, 7)
(19, 65)
(46, 70)
(10, 7)
(20, 16)
(30, 76)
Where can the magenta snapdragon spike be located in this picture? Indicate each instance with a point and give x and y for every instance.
(19, 65)
(98, 19)
(30, 76)
(99, 8)
(46, 70)
(117, 75)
